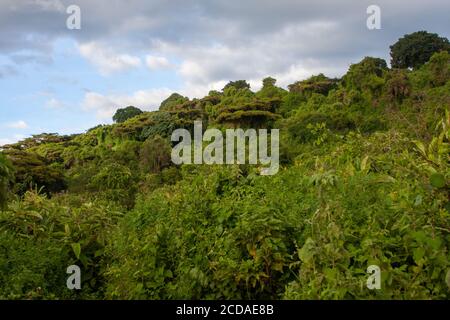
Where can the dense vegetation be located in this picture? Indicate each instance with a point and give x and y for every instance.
(364, 180)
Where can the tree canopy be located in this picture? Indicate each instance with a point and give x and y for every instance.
(415, 49)
(173, 100)
(124, 114)
(238, 84)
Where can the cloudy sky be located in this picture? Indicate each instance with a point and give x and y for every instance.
(137, 52)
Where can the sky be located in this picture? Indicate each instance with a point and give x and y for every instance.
(137, 52)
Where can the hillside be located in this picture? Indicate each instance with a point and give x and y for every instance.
(363, 180)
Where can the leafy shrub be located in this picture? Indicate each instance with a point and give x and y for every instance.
(40, 238)
(30, 170)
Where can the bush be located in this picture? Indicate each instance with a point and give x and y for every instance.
(40, 238)
(297, 126)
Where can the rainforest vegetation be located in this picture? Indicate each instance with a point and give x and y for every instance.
(364, 180)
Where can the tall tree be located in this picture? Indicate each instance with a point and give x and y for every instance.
(124, 114)
(415, 49)
(172, 101)
(238, 84)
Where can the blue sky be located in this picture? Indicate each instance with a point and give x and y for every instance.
(48, 96)
(138, 52)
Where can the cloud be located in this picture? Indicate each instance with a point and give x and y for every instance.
(106, 105)
(279, 55)
(17, 125)
(218, 40)
(155, 63)
(50, 5)
(212, 42)
(5, 141)
(106, 60)
(14, 139)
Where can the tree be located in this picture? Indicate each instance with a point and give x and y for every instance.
(238, 84)
(173, 100)
(270, 90)
(254, 114)
(6, 175)
(398, 85)
(316, 84)
(32, 170)
(415, 49)
(269, 82)
(366, 76)
(124, 114)
(155, 154)
(439, 68)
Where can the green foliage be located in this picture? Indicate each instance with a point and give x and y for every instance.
(398, 85)
(116, 183)
(6, 177)
(298, 126)
(366, 77)
(238, 85)
(38, 237)
(173, 100)
(439, 68)
(269, 90)
(316, 84)
(124, 114)
(155, 154)
(225, 233)
(251, 114)
(415, 49)
(364, 180)
(164, 124)
(33, 170)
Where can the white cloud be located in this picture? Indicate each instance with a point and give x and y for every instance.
(18, 125)
(5, 141)
(107, 60)
(154, 62)
(279, 54)
(106, 105)
(14, 139)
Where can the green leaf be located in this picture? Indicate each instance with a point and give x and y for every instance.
(306, 253)
(421, 147)
(35, 214)
(437, 180)
(76, 249)
(418, 254)
(67, 229)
